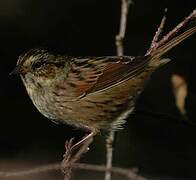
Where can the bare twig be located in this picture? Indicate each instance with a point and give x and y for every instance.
(157, 34)
(109, 154)
(130, 174)
(123, 24)
(27, 172)
(177, 28)
(120, 52)
(173, 32)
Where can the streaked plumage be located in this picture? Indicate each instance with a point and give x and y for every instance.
(91, 93)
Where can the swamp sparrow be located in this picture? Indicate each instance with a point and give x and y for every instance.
(91, 93)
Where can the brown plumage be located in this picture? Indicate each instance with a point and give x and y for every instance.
(91, 93)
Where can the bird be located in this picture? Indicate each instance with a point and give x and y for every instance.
(91, 93)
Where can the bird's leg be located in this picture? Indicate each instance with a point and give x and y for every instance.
(109, 154)
(84, 139)
(71, 149)
(69, 146)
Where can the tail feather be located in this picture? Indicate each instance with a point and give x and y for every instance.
(172, 43)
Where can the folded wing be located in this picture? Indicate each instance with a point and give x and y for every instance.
(92, 75)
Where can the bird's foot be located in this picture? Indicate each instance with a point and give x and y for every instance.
(70, 148)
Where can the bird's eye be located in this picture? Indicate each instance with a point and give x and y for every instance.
(37, 65)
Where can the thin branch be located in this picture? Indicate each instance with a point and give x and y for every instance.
(123, 24)
(130, 174)
(157, 34)
(109, 154)
(172, 33)
(175, 30)
(120, 52)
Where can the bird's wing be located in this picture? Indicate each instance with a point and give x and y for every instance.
(92, 75)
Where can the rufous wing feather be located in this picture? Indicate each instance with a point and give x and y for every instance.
(94, 75)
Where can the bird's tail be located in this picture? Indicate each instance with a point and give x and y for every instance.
(157, 53)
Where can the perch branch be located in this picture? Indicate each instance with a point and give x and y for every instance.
(120, 52)
(128, 173)
(109, 154)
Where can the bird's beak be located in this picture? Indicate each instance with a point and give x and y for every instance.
(15, 71)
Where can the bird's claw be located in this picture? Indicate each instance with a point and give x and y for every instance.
(69, 146)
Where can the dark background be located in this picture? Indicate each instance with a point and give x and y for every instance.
(156, 139)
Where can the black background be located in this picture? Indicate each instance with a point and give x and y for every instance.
(155, 139)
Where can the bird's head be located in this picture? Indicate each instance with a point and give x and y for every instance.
(38, 66)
